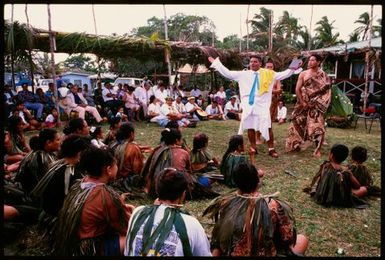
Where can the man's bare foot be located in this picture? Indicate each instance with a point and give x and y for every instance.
(253, 151)
(317, 153)
(258, 141)
(305, 145)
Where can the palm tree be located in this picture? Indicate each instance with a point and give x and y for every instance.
(363, 29)
(304, 38)
(289, 27)
(324, 34)
(354, 37)
(260, 29)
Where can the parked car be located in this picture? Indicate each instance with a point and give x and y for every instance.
(134, 82)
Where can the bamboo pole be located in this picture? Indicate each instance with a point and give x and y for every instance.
(167, 51)
(12, 51)
(52, 49)
(367, 58)
(30, 50)
(247, 28)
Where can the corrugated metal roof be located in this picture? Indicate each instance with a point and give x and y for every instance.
(349, 47)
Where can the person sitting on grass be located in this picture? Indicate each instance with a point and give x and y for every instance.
(334, 184)
(281, 112)
(360, 171)
(214, 111)
(115, 123)
(37, 162)
(129, 157)
(51, 121)
(248, 223)
(94, 218)
(171, 154)
(164, 229)
(203, 164)
(15, 143)
(96, 133)
(234, 155)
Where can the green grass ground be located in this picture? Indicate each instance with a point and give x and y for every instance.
(356, 231)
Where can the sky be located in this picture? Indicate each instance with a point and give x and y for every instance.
(228, 19)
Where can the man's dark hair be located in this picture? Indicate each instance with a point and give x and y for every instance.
(170, 184)
(359, 154)
(340, 152)
(124, 132)
(256, 57)
(73, 125)
(199, 141)
(246, 177)
(93, 160)
(317, 57)
(72, 145)
(170, 136)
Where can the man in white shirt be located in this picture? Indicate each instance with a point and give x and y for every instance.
(161, 93)
(110, 98)
(195, 92)
(232, 110)
(214, 111)
(178, 104)
(255, 88)
(282, 112)
(170, 113)
(143, 93)
(184, 236)
(78, 103)
(192, 108)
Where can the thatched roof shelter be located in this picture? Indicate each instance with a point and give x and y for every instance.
(112, 47)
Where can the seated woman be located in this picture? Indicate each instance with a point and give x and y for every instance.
(248, 223)
(55, 184)
(129, 158)
(233, 156)
(15, 144)
(334, 185)
(203, 164)
(171, 154)
(153, 111)
(94, 218)
(35, 164)
(77, 126)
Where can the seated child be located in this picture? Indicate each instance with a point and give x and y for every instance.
(359, 170)
(234, 155)
(334, 184)
(96, 133)
(122, 115)
(203, 163)
(51, 120)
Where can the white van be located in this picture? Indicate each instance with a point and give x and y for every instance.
(134, 82)
(43, 84)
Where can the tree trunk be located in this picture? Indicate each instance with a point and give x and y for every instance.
(30, 51)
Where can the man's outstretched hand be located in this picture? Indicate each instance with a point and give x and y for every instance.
(295, 64)
(211, 59)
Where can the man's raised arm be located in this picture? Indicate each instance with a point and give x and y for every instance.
(216, 64)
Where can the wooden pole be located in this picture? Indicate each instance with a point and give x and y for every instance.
(52, 49)
(30, 50)
(12, 51)
(247, 28)
(367, 58)
(167, 51)
(311, 21)
(270, 32)
(240, 32)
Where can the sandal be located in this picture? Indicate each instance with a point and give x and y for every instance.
(273, 153)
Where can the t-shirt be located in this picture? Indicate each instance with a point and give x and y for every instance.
(105, 92)
(199, 243)
(282, 113)
(230, 106)
(195, 93)
(50, 121)
(212, 111)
